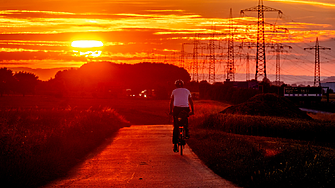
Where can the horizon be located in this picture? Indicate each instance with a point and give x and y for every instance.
(43, 75)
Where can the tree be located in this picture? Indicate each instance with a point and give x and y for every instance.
(6, 80)
(25, 82)
(103, 77)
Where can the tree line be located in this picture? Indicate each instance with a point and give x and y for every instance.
(97, 79)
(20, 82)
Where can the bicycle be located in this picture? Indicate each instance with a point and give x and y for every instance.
(182, 121)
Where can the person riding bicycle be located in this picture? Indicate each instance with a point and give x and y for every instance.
(181, 99)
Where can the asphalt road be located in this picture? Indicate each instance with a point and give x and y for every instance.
(142, 156)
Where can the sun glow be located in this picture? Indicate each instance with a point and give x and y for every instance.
(86, 44)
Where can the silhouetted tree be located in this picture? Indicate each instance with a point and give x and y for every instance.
(6, 80)
(25, 82)
(100, 77)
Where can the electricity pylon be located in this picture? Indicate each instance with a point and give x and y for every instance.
(317, 73)
(278, 49)
(230, 63)
(212, 53)
(260, 54)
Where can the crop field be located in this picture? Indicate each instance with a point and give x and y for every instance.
(266, 151)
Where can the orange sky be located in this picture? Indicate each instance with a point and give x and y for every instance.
(38, 34)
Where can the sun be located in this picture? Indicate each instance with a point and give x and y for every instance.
(87, 48)
(86, 44)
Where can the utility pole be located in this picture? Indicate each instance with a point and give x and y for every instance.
(260, 54)
(317, 73)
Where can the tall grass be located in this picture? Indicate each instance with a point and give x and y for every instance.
(38, 145)
(238, 159)
(203, 109)
(299, 129)
(232, 147)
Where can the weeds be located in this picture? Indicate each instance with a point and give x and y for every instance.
(38, 145)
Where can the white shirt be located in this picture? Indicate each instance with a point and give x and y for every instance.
(181, 96)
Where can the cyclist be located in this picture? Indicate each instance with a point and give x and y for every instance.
(181, 99)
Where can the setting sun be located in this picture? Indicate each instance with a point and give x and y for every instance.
(86, 44)
(87, 48)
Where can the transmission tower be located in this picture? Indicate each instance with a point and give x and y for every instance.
(230, 63)
(278, 49)
(212, 60)
(182, 56)
(317, 73)
(197, 45)
(260, 54)
(212, 53)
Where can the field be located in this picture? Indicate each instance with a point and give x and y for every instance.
(263, 151)
(247, 150)
(131, 109)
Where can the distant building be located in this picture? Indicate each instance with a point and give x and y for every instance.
(331, 85)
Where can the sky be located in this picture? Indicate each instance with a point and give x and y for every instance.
(36, 35)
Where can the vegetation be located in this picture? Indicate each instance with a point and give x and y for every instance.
(266, 151)
(251, 162)
(268, 105)
(105, 79)
(97, 79)
(20, 82)
(38, 145)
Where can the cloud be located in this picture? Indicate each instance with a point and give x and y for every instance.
(316, 3)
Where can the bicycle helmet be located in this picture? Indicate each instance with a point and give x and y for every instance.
(179, 83)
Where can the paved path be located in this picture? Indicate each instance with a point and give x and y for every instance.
(142, 156)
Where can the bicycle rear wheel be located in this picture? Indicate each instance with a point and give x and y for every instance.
(181, 140)
(181, 149)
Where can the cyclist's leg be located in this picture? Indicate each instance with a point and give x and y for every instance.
(186, 125)
(175, 137)
(175, 130)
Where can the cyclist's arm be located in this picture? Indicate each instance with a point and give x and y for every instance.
(190, 100)
(171, 104)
